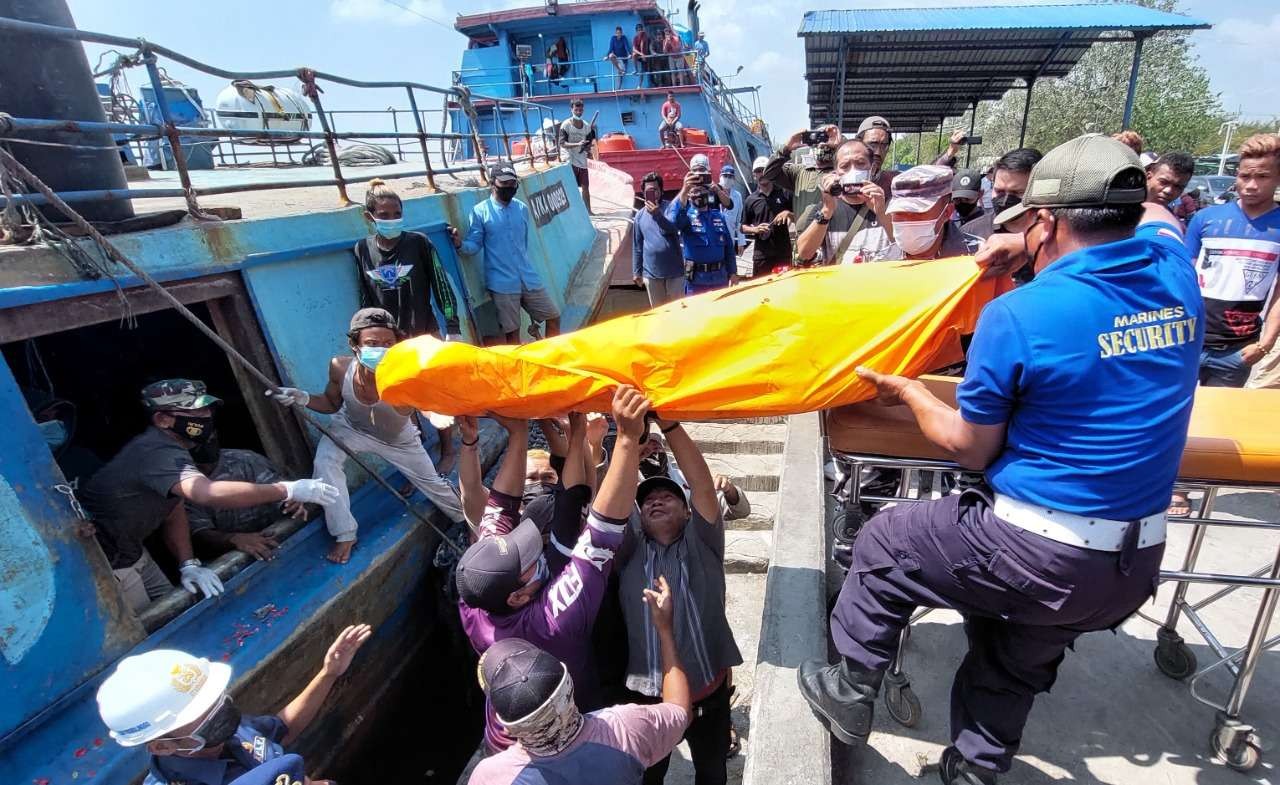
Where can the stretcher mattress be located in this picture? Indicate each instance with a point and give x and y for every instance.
(1234, 434)
(784, 345)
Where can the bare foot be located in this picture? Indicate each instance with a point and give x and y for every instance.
(340, 553)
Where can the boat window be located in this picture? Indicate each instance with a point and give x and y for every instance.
(81, 364)
(628, 118)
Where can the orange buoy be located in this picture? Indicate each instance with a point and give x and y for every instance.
(616, 143)
(519, 147)
(694, 136)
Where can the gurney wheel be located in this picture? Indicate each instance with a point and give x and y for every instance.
(901, 701)
(1243, 755)
(1175, 659)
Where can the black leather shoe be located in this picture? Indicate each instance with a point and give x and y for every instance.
(955, 770)
(842, 696)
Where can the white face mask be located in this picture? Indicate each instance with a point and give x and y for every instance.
(915, 237)
(726, 182)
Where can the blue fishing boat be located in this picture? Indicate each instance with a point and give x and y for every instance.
(262, 256)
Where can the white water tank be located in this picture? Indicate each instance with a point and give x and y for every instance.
(245, 106)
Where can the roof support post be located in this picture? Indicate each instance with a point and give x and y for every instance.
(919, 139)
(1026, 110)
(840, 72)
(940, 119)
(973, 122)
(1133, 80)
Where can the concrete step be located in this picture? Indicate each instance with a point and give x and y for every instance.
(738, 439)
(747, 551)
(764, 507)
(748, 472)
(754, 420)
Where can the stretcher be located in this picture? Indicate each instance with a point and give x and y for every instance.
(1232, 443)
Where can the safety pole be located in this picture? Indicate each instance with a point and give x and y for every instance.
(1026, 110)
(528, 137)
(1133, 80)
(117, 256)
(422, 140)
(312, 90)
(502, 129)
(473, 122)
(171, 133)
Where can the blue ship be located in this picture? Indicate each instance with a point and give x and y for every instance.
(262, 256)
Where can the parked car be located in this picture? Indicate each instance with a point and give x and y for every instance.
(1212, 187)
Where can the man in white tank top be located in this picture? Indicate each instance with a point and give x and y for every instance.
(365, 423)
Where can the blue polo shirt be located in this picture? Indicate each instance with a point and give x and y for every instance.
(502, 232)
(256, 741)
(1093, 367)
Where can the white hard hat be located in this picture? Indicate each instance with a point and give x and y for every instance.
(759, 163)
(151, 694)
(700, 161)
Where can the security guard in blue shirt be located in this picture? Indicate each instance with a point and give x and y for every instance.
(709, 260)
(1076, 402)
(178, 706)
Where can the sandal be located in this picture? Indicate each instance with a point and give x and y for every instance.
(735, 744)
(1179, 507)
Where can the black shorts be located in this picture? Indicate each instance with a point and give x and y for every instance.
(580, 175)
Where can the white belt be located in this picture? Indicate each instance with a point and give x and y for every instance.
(1096, 534)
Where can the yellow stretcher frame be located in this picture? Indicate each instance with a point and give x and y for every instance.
(1227, 447)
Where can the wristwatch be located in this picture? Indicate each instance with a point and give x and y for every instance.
(820, 219)
(191, 563)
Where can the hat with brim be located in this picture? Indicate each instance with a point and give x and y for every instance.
(177, 395)
(155, 693)
(659, 483)
(1080, 173)
(503, 173)
(966, 184)
(919, 189)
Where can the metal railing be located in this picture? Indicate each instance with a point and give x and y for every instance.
(534, 81)
(148, 55)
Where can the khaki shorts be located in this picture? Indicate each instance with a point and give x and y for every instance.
(537, 303)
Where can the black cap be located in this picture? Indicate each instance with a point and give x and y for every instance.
(502, 171)
(491, 568)
(371, 317)
(661, 482)
(518, 677)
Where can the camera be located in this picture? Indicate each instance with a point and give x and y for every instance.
(812, 138)
(704, 178)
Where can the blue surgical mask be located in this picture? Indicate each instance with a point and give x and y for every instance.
(542, 573)
(370, 356)
(388, 228)
(54, 433)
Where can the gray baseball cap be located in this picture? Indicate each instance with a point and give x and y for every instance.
(1081, 173)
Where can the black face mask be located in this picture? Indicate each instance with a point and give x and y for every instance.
(1005, 201)
(206, 453)
(966, 209)
(220, 726)
(506, 192)
(533, 490)
(197, 429)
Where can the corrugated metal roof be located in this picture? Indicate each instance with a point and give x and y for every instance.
(917, 66)
(1074, 16)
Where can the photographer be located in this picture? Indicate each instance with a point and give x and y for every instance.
(851, 224)
(803, 179)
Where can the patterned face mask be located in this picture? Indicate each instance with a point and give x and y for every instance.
(551, 727)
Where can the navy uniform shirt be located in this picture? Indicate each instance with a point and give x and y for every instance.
(1093, 366)
(255, 742)
(707, 240)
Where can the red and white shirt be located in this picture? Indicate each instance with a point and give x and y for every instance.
(1236, 261)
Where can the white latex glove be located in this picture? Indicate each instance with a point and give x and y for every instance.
(309, 491)
(206, 580)
(290, 396)
(454, 338)
(439, 421)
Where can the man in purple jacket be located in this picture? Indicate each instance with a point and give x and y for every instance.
(505, 586)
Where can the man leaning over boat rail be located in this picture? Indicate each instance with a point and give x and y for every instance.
(142, 489)
(1067, 535)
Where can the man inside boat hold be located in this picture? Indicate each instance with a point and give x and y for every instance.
(215, 532)
(142, 489)
(531, 693)
(576, 136)
(180, 707)
(681, 536)
(707, 242)
(1080, 435)
(505, 584)
(366, 423)
(803, 178)
(499, 230)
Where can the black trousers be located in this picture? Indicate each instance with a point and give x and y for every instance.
(708, 737)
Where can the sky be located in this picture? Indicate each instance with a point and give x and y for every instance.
(414, 40)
